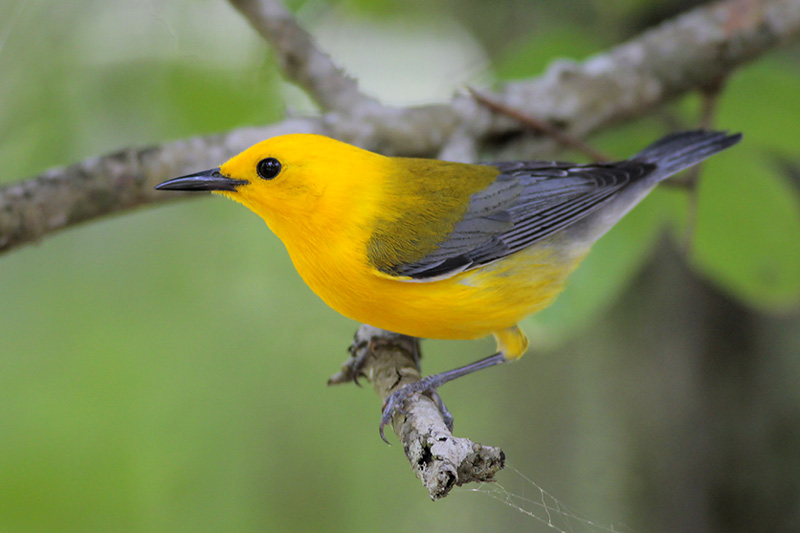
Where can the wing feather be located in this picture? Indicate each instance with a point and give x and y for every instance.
(528, 201)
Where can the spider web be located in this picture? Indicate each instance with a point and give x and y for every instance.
(544, 507)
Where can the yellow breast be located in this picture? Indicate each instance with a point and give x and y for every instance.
(468, 305)
(331, 203)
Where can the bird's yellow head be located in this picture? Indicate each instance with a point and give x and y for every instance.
(296, 182)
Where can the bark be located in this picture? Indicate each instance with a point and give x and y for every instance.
(688, 53)
(440, 460)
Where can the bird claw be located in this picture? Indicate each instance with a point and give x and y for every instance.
(360, 352)
(447, 416)
(395, 401)
(353, 368)
(393, 404)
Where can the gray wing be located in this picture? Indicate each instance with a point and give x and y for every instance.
(528, 201)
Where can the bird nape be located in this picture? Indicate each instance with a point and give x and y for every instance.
(436, 249)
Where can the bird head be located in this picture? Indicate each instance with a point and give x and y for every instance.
(294, 181)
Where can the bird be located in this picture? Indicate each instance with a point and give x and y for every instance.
(439, 249)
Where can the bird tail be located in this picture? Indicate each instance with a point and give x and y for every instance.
(678, 151)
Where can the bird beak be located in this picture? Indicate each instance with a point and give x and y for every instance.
(208, 180)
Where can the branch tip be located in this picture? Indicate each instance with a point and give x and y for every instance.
(440, 460)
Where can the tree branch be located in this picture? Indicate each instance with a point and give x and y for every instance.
(681, 55)
(440, 460)
(300, 58)
(687, 53)
(116, 182)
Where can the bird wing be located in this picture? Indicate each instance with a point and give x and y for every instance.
(528, 201)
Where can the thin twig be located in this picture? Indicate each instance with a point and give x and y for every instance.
(562, 137)
(440, 460)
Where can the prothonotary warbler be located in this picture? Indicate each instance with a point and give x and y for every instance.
(437, 249)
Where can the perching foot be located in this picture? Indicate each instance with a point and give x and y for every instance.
(429, 384)
(394, 402)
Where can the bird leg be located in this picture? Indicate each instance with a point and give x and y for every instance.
(428, 385)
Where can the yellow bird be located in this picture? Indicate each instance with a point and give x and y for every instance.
(436, 249)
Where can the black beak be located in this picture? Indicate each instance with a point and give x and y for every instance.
(208, 180)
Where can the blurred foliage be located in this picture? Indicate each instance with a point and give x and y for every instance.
(160, 372)
(532, 56)
(748, 230)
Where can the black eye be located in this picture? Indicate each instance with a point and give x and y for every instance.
(268, 168)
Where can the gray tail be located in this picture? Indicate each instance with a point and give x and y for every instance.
(678, 151)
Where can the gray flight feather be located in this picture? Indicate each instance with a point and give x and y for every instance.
(531, 200)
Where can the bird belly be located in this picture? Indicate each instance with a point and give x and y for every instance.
(468, 305)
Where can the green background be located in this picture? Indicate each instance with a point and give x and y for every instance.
(164, 370)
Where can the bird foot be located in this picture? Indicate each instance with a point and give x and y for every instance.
(395, 401)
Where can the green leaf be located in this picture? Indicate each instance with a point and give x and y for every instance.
(762, 101)
(747, 238)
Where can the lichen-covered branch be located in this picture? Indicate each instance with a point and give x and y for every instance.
(690, 52)
(440, 460)
(681, 55)
(114, 183)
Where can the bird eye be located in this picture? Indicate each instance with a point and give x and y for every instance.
(268, 168)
